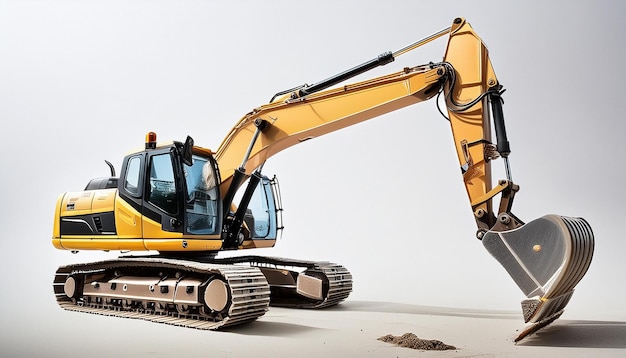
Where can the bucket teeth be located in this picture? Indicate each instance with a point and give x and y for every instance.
(537, 326)
(529, 307)
(546, 258)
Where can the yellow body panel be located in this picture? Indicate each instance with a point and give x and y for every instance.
(131, 227)
(157, 239)
(76, 242)
(127, 220)
(257, 244)
(104, 200)
(183, 244)
(88, 202)
(152, 230)
(56, 228)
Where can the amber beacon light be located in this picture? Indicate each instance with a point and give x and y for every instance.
(151, 140)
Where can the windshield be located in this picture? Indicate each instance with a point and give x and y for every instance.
(202, 197)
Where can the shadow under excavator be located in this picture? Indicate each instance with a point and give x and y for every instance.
(562, 333)
(580, 334)
(280, 329)
(271, 329)
(387, 307)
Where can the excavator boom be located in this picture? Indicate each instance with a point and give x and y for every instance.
(290, 121)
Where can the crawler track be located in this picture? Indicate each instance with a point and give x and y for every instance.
(282, 275)
(253, 282)
(248, 292)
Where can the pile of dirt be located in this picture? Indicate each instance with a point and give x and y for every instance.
(410, 340)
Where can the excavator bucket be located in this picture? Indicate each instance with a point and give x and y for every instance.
(546, 257)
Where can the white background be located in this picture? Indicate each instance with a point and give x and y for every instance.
(83, 81)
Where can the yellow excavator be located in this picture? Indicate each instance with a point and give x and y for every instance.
(178, 205)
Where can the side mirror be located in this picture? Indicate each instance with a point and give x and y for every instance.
(188, 151)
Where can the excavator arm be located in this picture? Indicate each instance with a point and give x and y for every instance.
(466, 77)
(546, 257)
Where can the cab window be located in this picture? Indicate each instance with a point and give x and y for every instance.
(261, 214)
(202, 196)
(162, 184)
(131, 182)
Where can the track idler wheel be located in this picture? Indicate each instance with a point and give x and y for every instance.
(73, 287)
(216, 296)
(546, 258)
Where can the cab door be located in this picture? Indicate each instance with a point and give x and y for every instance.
(162, 206)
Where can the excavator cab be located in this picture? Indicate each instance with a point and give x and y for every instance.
(184, 190)
(171, 195)
(167, 199)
